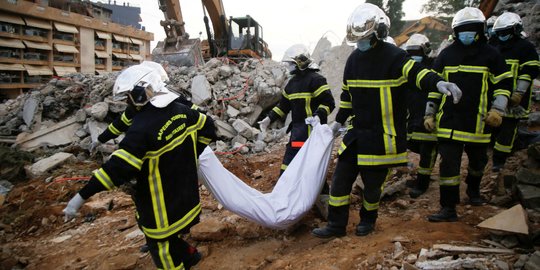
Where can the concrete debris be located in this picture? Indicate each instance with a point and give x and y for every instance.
(470, 249)
(43, 166)
(512, 220)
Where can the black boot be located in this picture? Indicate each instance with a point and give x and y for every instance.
(367, 221)
(328, 231)
(421, 186)
(338, 216)
(473, 190)
(446, 214)
(364, 228)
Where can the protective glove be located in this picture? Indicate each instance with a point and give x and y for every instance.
(515, 98)
(73, 207)
(429, 122)
(449, 89)
(493, 118)
(263, 124)
(313, 120)
(335, 126)
(93, 146)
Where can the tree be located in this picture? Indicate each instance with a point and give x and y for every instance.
(394, 11)
(447, 7)
(378, 3)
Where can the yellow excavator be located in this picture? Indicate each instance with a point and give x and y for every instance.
(237, 38)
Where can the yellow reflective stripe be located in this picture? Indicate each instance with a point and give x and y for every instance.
(283, 167)
(125, 119)
(449, 181)
(387, 116)
(339, 201)
(376, 83)
(465, 68)
(326, 108)
(344, 87)
(506, 75)
(475, 172)
(194, 107)
(204, 140)
(421, 136)
(342, 148)
(299, 95)
(370, 206)
(320, 90)
(308, 107)
(530, 63)
(156, 191)
(444, 132)
(425, 171)
(471, 137)
(161, 233)
(278, 111)
(501, 92)
(482, 105)
(165, 255)
(525, 77)
(129, 158)
(345, 104)
(178, 140)
(373, 160)
(113, 129)
(104, 179)
(435, 95)
(421, 76)
(407, 67)
(503, 148)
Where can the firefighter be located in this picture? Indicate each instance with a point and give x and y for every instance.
(492, 38)
(307, 96)
(160, 150)
(420, 140)
(479, 70)
(375, 82)
(522, 60)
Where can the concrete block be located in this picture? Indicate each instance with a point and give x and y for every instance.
(43, 166)
(511, 220)
(225, 130)
(529, 177)
(200, 90)
(529, 196)
(59, 134)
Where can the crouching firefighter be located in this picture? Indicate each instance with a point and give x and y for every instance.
(160, 150)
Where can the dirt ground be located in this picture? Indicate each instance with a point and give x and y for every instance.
(33, 234)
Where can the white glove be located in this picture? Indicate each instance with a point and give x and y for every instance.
(335, 126)
(263, 124)
(313, 120)
(93, 146)
(73, 207)
(449, 89)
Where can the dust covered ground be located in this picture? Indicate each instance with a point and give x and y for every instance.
(33, 234)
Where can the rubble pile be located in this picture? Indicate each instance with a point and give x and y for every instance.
(73, 110)
(529, 11)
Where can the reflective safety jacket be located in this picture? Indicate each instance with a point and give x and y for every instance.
(123, 122)
(375, 85)
(522, 60)
(416, 106)
(160, 150)
(480, 72)
(306, 94)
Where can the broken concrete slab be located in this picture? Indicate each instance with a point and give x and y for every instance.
(529, 177)
(59, 134)
(471, 249)
(29, 110)
(224, 130)
(43, 166)
(200, 90)
(529, 196)
(512, 220)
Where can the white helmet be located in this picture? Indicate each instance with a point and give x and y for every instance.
(390, 40)
(367, 19)
(418, 42)
(508, 20)
(468, 15)
(491, 21)
(299, 55)
(159, 68)
(143, 84)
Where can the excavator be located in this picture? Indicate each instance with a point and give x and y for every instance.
(237, 38)
(432, 23)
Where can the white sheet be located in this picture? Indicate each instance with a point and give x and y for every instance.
(294, 193)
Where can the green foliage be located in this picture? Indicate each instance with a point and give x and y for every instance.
(447, 7)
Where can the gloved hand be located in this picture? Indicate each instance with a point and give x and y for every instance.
(493, 118)
(335, 126)
(449, 89)
(313, 120)
(93, 146)
(73, 207)
(515, 98)
(263, 124)
(429, 122)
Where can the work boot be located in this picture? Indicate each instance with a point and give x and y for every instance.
(328, 232)
(322, 205)
(446, 214)
(364, 228)
(421, 186)
(473, 191)
(193, 258)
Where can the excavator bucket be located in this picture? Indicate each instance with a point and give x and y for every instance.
(185, 53)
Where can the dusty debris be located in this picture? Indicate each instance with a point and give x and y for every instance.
(511, 220)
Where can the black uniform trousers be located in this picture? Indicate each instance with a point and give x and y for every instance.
(171, 253)
(451, 152)
(344, 176)
(505, 141)
(428, 155)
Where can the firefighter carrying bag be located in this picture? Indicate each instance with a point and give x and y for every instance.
(294, 194)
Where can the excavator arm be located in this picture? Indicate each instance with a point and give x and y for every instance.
(420, 26)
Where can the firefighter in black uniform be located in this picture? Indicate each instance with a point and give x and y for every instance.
(479, 70)
(490, 33)
(160, 150)
(420, 140)
(522, 60)
(375, 82)
(307, 96)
